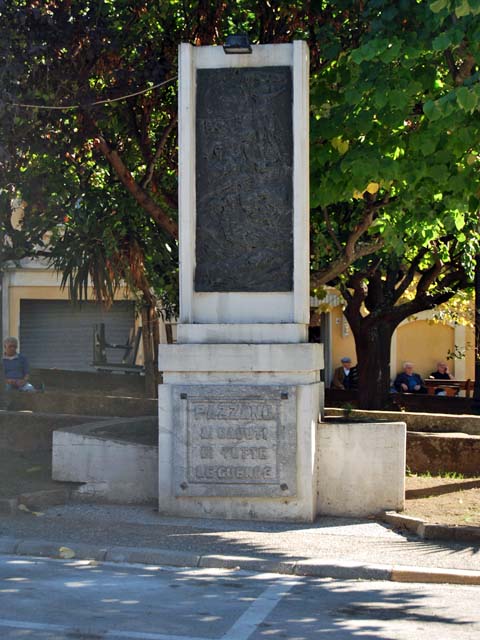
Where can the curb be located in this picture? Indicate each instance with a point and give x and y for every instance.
(428, 531)
(311, 568)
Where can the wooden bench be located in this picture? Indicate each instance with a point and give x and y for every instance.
(451, 387)
(130, 349)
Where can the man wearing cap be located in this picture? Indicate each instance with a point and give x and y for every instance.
(346, 376)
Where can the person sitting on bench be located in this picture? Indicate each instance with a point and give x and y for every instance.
(346, 376)
(442, 373)
(15, 367)
(409, 382)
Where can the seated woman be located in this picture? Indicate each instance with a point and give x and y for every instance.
(409, 382)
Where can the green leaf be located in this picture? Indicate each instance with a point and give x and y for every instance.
(357, 56)
(432, 110)
(467, 99)
(459, 219)
(462, 9)
(392, 52)
(441, 42)
(428, 145)
(438, 5)
(380, 98)
(439, 172)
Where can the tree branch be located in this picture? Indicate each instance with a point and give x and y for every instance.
(158, 152)
(408, 277)
(337, 267)
(136, 191)
(330, 230)
(452, 67)
(355, 300)
(460, 74)
(429, 277)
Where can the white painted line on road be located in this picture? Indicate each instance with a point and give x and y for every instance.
(109, 634)
(256, 613)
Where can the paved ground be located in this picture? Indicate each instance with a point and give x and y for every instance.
(333, 547)
(347, 547)
(62, 600)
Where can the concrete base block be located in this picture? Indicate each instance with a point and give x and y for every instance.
(300, 507)
(361, 467)
(112, 468)
(239, 461)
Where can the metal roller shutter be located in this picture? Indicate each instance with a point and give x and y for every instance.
(58, 334)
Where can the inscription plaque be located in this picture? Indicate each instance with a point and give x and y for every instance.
(244, 180)
(235, 441)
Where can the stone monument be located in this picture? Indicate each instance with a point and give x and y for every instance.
(239, 430)
(241, 397)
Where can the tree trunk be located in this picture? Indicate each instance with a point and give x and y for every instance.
(372, 342)
(151, 383)
(476, 388)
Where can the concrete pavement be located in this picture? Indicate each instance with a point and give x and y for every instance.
(331, 547)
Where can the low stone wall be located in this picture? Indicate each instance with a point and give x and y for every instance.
(425, 422)
(443, 453)
(81, 404)
(115, 460)
(361, 467)
(90, 382)
(22, 431)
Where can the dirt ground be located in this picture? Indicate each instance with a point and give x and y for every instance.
(441, 500)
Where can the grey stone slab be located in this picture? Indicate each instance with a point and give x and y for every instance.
(153, 556)
(247, 564)
(234, 440)
(85, 551)
(41, 548)
(244, 179)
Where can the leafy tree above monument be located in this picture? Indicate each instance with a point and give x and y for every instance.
(395, 167)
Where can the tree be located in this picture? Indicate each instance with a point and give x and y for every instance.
(98, 169)
(394, 95)
(395, 162)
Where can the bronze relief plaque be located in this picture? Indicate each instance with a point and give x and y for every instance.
(244, 180)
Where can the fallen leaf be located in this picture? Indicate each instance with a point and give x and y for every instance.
(66, 553)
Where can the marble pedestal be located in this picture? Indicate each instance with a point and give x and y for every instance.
(237, 430)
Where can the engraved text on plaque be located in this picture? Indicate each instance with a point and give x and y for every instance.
(235, 441)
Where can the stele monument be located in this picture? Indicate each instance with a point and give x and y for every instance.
(241, 393)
